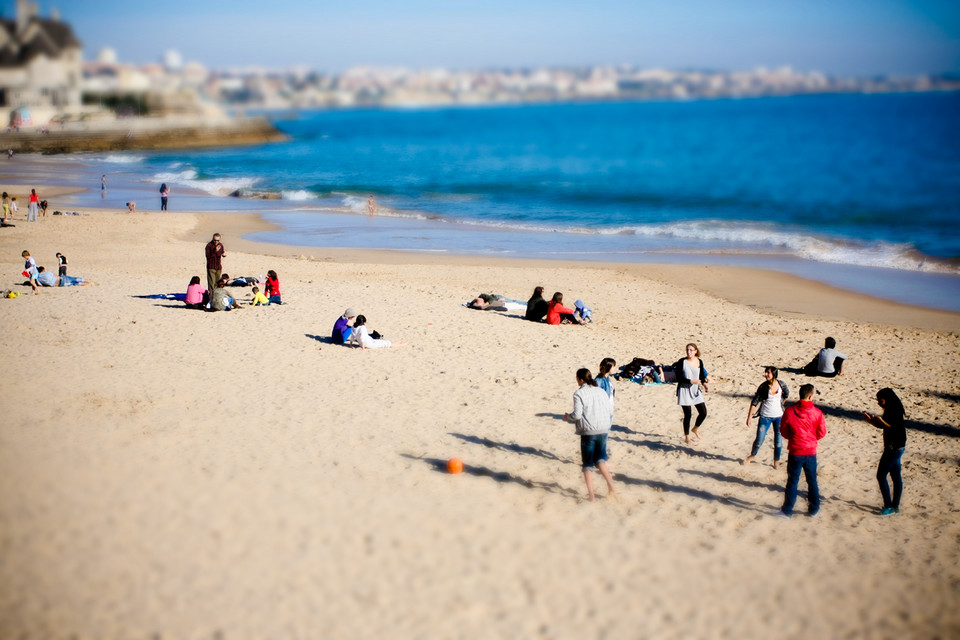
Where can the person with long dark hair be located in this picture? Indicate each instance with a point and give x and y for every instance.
(768, 403)
(536, 306)
(894, 442)
(557, 313)
(692, 379)
(593, 416)
(164, 196)
(272, 288)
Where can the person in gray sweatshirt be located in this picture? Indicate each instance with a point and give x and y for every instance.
(593, 416)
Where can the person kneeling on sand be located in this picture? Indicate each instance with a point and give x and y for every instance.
(362, 337)
(593, 416)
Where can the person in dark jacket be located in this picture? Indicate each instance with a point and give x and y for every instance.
(894, 442)
(768, 404)
(536, 306)
(692, 379)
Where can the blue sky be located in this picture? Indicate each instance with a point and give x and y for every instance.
(841, 37)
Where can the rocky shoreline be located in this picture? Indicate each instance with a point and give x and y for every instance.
(142, 134)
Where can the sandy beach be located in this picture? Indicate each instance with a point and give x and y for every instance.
(170, 473)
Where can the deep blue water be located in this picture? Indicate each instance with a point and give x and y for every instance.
(840, 181)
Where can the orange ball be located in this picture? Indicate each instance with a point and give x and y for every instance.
(454, 465)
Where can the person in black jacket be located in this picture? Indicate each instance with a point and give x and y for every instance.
(894, 442)
(536, 306)
(768, 404)
(692, 379)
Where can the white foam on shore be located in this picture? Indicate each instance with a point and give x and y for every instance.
(217, 187)
(122, 159)
(299, 195)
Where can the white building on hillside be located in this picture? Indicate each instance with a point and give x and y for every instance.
(40, 67)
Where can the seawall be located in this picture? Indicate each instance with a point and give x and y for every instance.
(142, 133)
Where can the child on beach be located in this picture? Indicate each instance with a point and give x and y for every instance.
(62, 262)
(258, 298)
(30, 269)
(605, 380)
(361, 336)
(14, 207)
(593, 416)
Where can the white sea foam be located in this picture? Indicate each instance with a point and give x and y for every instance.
(122, 159)
(217, 186)
(299, 195)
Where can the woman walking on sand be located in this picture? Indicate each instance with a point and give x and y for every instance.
(692, 379)
(769, 399)
(164, 195)
(894, 442)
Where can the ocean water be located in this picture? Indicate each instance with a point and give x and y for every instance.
(860, 191)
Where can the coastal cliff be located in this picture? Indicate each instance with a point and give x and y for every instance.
(143, 133)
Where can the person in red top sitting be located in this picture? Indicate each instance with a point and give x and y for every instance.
(803, 426)
(557, 313)
(272, 288)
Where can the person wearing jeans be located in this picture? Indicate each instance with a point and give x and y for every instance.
(894, 442)
(803, 426)
(769, 399)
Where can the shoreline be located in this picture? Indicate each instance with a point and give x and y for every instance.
(767, 291)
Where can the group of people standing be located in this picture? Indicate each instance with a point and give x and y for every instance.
(35, 208)
(801, 424)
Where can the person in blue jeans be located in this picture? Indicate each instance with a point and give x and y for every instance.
(803, 426)
(769, 400)
(894, 442)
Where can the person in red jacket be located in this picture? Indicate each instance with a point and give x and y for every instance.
(803, 426)
(556, 312)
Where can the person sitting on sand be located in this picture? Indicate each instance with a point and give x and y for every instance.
(593, 416)
(272, 288)
(343, 327)
(219, 300)
(828, 363)
(536, 306)
(362, 337)
(258, 298)
(582, 312)
(197, 296)
(557, 313)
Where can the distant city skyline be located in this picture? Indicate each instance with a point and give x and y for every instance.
(856, 37)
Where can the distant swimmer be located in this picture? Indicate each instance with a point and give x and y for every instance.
(371, 206)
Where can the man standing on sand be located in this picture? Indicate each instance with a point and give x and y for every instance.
(214, 253)
(803, 426)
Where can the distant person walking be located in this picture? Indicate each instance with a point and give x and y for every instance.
(803, 426)
(103, 186)
(164, 196)
(894, 442)
(214, 252)
(371, 206)
(33, 207)
(692, 379)
(593, 416)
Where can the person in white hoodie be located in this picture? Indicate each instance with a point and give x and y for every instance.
(593, 416)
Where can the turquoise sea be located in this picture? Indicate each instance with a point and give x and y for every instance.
(859, 191)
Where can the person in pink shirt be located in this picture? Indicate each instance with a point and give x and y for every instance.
(197, 296)
(803, 426)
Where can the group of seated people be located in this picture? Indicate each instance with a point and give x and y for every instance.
(553, 312)
(351, 329)
(219, 300)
